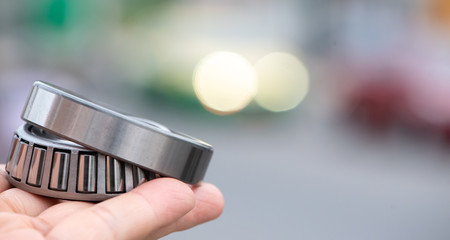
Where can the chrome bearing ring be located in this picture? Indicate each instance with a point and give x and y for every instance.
(72, 148)
(44, 164)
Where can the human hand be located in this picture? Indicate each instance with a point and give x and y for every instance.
(150, 211)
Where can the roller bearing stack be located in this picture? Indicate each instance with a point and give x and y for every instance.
(74, 149)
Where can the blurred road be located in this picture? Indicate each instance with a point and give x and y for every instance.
(310, 175)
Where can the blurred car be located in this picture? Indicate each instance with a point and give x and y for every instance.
(411, 88)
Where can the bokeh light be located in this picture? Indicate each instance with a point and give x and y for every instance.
(283, 81)
(224, 82)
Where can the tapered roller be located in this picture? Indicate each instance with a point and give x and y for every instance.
(46, 165)
(36, 166)
(12, 153)
(139, 176)
(115, 175)
(60, 171)
(18, 163)
(87, 173)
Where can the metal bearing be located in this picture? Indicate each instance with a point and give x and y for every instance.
(122, 137)
(44, 164)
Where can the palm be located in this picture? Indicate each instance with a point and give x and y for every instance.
(150, 211)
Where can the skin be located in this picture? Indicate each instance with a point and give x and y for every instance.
(150, 211)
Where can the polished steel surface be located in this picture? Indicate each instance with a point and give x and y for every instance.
(140, 176)
(12, 153)
(58, 168)
(19, 161)
(142, 143)
(60, 171)
(115, 175)
(36, 166)
(87, 173)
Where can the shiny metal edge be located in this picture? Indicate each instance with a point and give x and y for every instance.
(17, 167)
(59, 176)
(87, 173)
(36, 170)
(115, 175)
(12, 153)
(125, 138)
(52, 146)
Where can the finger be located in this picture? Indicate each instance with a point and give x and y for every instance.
(11, 222)
(18, 226)
(19, 201)
(209, 205)
(4, 183)
(60, 211)
(55, 214)
(132, 215)
(22, 234)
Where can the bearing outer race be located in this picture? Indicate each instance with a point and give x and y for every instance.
(122, 137)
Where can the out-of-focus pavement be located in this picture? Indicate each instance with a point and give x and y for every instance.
(312, 175)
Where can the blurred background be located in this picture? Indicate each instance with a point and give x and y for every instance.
(330, 119)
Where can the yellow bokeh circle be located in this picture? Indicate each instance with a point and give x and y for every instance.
(224, 82)
(283, 81)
